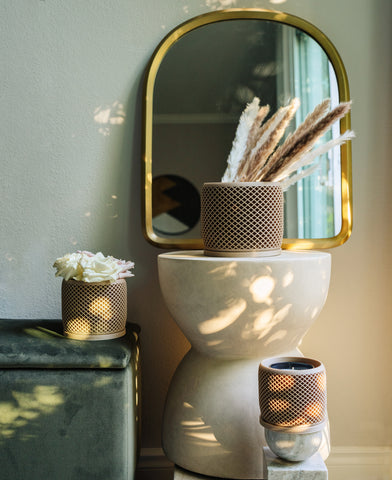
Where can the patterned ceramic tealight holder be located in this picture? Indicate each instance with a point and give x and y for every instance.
(94, 311)
(242, 219)
(293, 405)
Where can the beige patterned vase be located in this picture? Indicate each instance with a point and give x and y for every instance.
(242, 219)
(94, 311)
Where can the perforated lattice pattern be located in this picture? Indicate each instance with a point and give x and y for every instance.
(237, 217)
(94, 308)
(292, 400)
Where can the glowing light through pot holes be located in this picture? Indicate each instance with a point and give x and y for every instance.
(278, 405)
(101, 307)
(285, 383)
(314, 410)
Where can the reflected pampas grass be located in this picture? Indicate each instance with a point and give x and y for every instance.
(256, 155)
(240, 142)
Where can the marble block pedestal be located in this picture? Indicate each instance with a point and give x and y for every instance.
(235, 312)
(313, 468)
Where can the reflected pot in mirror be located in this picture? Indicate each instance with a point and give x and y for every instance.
(293, 405)
(94, 311)
(242, 219)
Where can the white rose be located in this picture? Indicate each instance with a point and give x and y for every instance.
(68, 266)
(99, 268)
(86, 267)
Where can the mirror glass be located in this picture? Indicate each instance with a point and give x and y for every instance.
(195, 92)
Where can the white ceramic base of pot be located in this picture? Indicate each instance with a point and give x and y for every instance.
(92, 338)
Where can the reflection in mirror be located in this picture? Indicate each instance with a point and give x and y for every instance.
(202, 84)
(176, 205)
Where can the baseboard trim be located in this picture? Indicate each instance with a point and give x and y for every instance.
(360, 463)
(344, 463)
(153, 458)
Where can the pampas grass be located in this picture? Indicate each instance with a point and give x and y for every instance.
(287, 182)
(238, 149)
(309, 157)
(256, 155)
(270, 136)
(255, 132)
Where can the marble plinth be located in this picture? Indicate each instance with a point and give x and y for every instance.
(235, 312)
(276, 469)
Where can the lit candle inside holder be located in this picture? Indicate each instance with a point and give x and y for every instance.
(292, 366)
(292, 398)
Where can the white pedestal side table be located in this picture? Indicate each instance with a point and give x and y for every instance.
(235, 312)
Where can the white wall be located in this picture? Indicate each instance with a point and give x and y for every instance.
(70, 179)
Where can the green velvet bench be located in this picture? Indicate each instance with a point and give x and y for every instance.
(69, 409)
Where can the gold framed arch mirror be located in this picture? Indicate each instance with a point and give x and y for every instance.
(197, 83)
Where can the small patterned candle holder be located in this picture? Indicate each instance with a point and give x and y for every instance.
(293, 405)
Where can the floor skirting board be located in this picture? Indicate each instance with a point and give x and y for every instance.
(153, 465)
(153, 458)
(360, 463)
(344, 463)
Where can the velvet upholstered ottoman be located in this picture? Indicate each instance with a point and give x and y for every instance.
(69, 409)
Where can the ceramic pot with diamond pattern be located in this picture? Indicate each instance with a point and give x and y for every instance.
(242, 219)
(94, 310)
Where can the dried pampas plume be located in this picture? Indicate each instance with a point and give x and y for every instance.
(238, 149)
(256, 155)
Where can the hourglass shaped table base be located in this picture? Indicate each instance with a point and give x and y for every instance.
(235, 313)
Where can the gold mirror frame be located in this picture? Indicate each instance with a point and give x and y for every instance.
(148, 97)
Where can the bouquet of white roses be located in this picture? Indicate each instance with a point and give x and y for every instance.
(89, 267)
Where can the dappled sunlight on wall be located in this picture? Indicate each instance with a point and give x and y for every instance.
(223, 4)
(109, 115)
